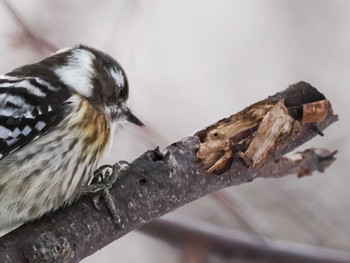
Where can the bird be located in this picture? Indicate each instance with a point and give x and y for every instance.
(57, 119)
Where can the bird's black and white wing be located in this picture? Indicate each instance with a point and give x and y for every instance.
(29, 107)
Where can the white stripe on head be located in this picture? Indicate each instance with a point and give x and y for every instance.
(118, 76)
(78, 71)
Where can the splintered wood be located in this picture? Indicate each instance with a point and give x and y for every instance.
(256, 133)
(276, 125)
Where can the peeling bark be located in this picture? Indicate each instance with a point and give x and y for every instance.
(255, 133)
(224, 154)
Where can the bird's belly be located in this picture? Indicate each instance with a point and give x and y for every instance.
(43, 177)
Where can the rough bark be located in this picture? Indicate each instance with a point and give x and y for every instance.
(235, 150)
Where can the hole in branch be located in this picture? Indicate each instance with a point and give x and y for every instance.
(156, 155)
(142, 181)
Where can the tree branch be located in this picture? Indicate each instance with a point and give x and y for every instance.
(233, 245)
(235, 150)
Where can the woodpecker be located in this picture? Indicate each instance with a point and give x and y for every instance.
(57, 118)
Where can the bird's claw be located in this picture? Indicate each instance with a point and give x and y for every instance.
(103, 179)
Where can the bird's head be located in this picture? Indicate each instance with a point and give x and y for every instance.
(97, 77)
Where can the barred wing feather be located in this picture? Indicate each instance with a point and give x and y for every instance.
(29, 108)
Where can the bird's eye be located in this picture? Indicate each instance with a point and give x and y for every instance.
(123, 93)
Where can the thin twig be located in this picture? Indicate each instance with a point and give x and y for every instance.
(40, 44)
(239, 211)
(233, 245)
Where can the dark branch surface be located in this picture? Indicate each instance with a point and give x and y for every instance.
(161, 181)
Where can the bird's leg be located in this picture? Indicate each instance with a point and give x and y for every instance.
(103, 179)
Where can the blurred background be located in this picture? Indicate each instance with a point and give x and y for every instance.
(191, 63)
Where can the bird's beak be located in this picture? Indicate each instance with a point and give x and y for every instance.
(129, 116)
